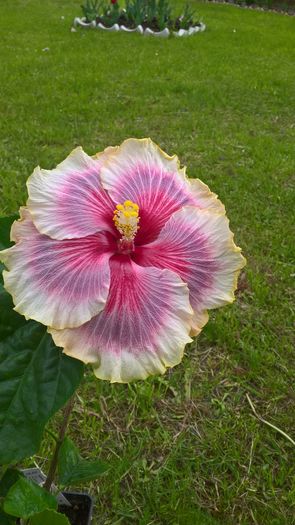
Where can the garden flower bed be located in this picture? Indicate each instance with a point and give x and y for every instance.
(149, 18)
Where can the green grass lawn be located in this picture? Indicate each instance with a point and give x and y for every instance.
(185, 448)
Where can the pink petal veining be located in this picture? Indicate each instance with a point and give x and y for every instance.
(143, 307)
(58, 283)
(69, 201)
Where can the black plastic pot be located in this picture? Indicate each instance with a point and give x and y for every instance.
(80, 512)
(77, 506)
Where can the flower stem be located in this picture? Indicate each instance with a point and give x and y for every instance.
(62, 431)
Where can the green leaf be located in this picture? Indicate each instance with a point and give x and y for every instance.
(49, 517)
(26, 498)
(9, 319)
(5, 225)
(36, 379)
(10, 477)
(73, 469)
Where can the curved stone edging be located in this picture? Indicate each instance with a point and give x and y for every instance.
(80, 22)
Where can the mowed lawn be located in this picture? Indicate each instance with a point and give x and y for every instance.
(184, 448)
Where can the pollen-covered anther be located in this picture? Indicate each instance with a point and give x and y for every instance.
(126, 219)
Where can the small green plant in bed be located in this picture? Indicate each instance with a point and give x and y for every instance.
(90, 9)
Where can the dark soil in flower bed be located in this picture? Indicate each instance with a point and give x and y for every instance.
(80, 512)
(177, 25)
(109, 22)
(153, 24)
(174, 25)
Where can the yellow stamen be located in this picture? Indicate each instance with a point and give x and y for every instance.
(126, 219)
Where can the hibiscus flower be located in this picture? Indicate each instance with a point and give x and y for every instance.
(121, 255)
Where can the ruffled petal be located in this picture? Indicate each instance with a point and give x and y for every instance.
(69, 202)
(204, 197)
(141, 172)
(142, 330)
(200, 318)
(58, 283)
(197, 245)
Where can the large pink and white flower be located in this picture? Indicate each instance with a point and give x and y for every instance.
(121, 256)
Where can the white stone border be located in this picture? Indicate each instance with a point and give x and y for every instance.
(80, 22)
